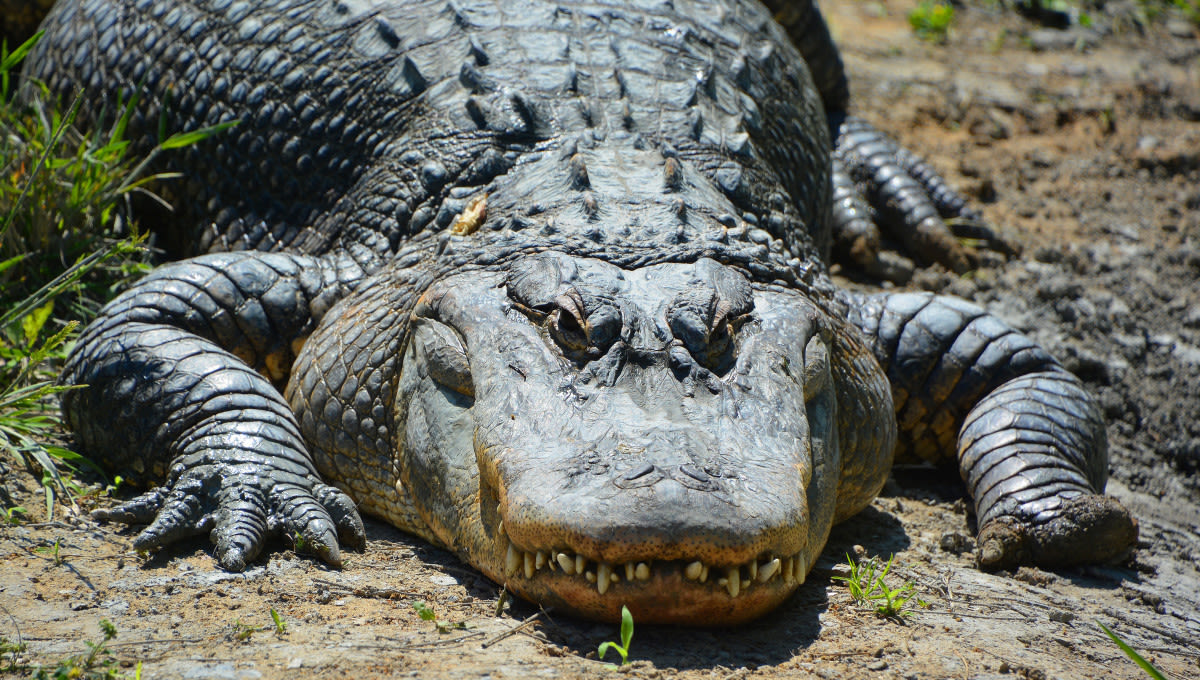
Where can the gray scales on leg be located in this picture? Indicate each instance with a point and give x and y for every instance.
(549, 290)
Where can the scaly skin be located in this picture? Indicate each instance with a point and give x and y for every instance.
(548, 290)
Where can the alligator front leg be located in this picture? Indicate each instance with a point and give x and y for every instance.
(879, 184)
(175, 379)
(1031, 443)
(880, 188)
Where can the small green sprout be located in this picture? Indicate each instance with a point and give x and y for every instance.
(427, 614)
(12, 515)
(243, 632)
(99, 663)
(51, 551)
(931, 20)
(868, 588)
(626, 638)
(10, 651)
(1132, 654)
(280, 624)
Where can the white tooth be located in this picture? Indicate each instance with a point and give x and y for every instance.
(539, 560)
(735, 581)
(704, 573)
(590, 576)
(603, 577)
(642, 571)
(753, 569)
(789, 570)
(629, 568)
(566, 562)
(500, 528)
(528, 565)
(512, 561)
(580, 564)
(692, 571)
(801, 568)
(768, 570)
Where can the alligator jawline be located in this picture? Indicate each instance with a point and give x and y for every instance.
(657, 591)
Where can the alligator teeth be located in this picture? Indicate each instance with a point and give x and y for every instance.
(603, 577)
(768, 570)
(734, 581)
(512, 561)
(566, 562)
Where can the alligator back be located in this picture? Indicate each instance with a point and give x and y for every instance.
(366, 123)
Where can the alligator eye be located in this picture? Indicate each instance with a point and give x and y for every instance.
(707, 328)
(568, 330)
(582, 334)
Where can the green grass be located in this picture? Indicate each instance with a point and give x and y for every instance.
(931, 20)
(67, 245)
(626, 638)
(428, 614)
(97, 664)
(1133, 655)
(868, 587)
(280, 624)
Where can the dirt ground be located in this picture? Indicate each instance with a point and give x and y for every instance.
(1085, 145)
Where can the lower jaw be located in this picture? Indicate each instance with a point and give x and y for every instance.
(665, 597)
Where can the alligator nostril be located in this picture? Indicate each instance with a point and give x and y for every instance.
(639, 476)
(638, 472)
(694, 473)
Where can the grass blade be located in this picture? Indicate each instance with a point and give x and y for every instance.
(1132, 654)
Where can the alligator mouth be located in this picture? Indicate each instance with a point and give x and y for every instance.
(687, 591)
(735, 580)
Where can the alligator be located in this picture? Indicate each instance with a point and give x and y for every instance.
(546, 284)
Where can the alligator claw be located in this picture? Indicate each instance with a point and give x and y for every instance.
(239, 516)
(139, 510)
(1090, 529)
(350, 530)
(878, 184)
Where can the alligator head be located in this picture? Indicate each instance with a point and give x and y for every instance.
(663, 438)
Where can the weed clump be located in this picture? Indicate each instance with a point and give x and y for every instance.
(931, 20)
(67, 245)
(869, 588)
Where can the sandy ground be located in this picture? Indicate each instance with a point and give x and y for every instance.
(1083, 144)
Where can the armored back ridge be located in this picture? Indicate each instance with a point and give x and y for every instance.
(544, 283)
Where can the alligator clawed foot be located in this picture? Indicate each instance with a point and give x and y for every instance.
(1090, 529)
(883, 190)
(240, 517)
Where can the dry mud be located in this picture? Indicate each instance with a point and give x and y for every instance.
(1085, 146)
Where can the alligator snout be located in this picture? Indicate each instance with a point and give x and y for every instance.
(599, 471)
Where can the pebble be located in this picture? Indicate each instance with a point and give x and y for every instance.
(1178, 28)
